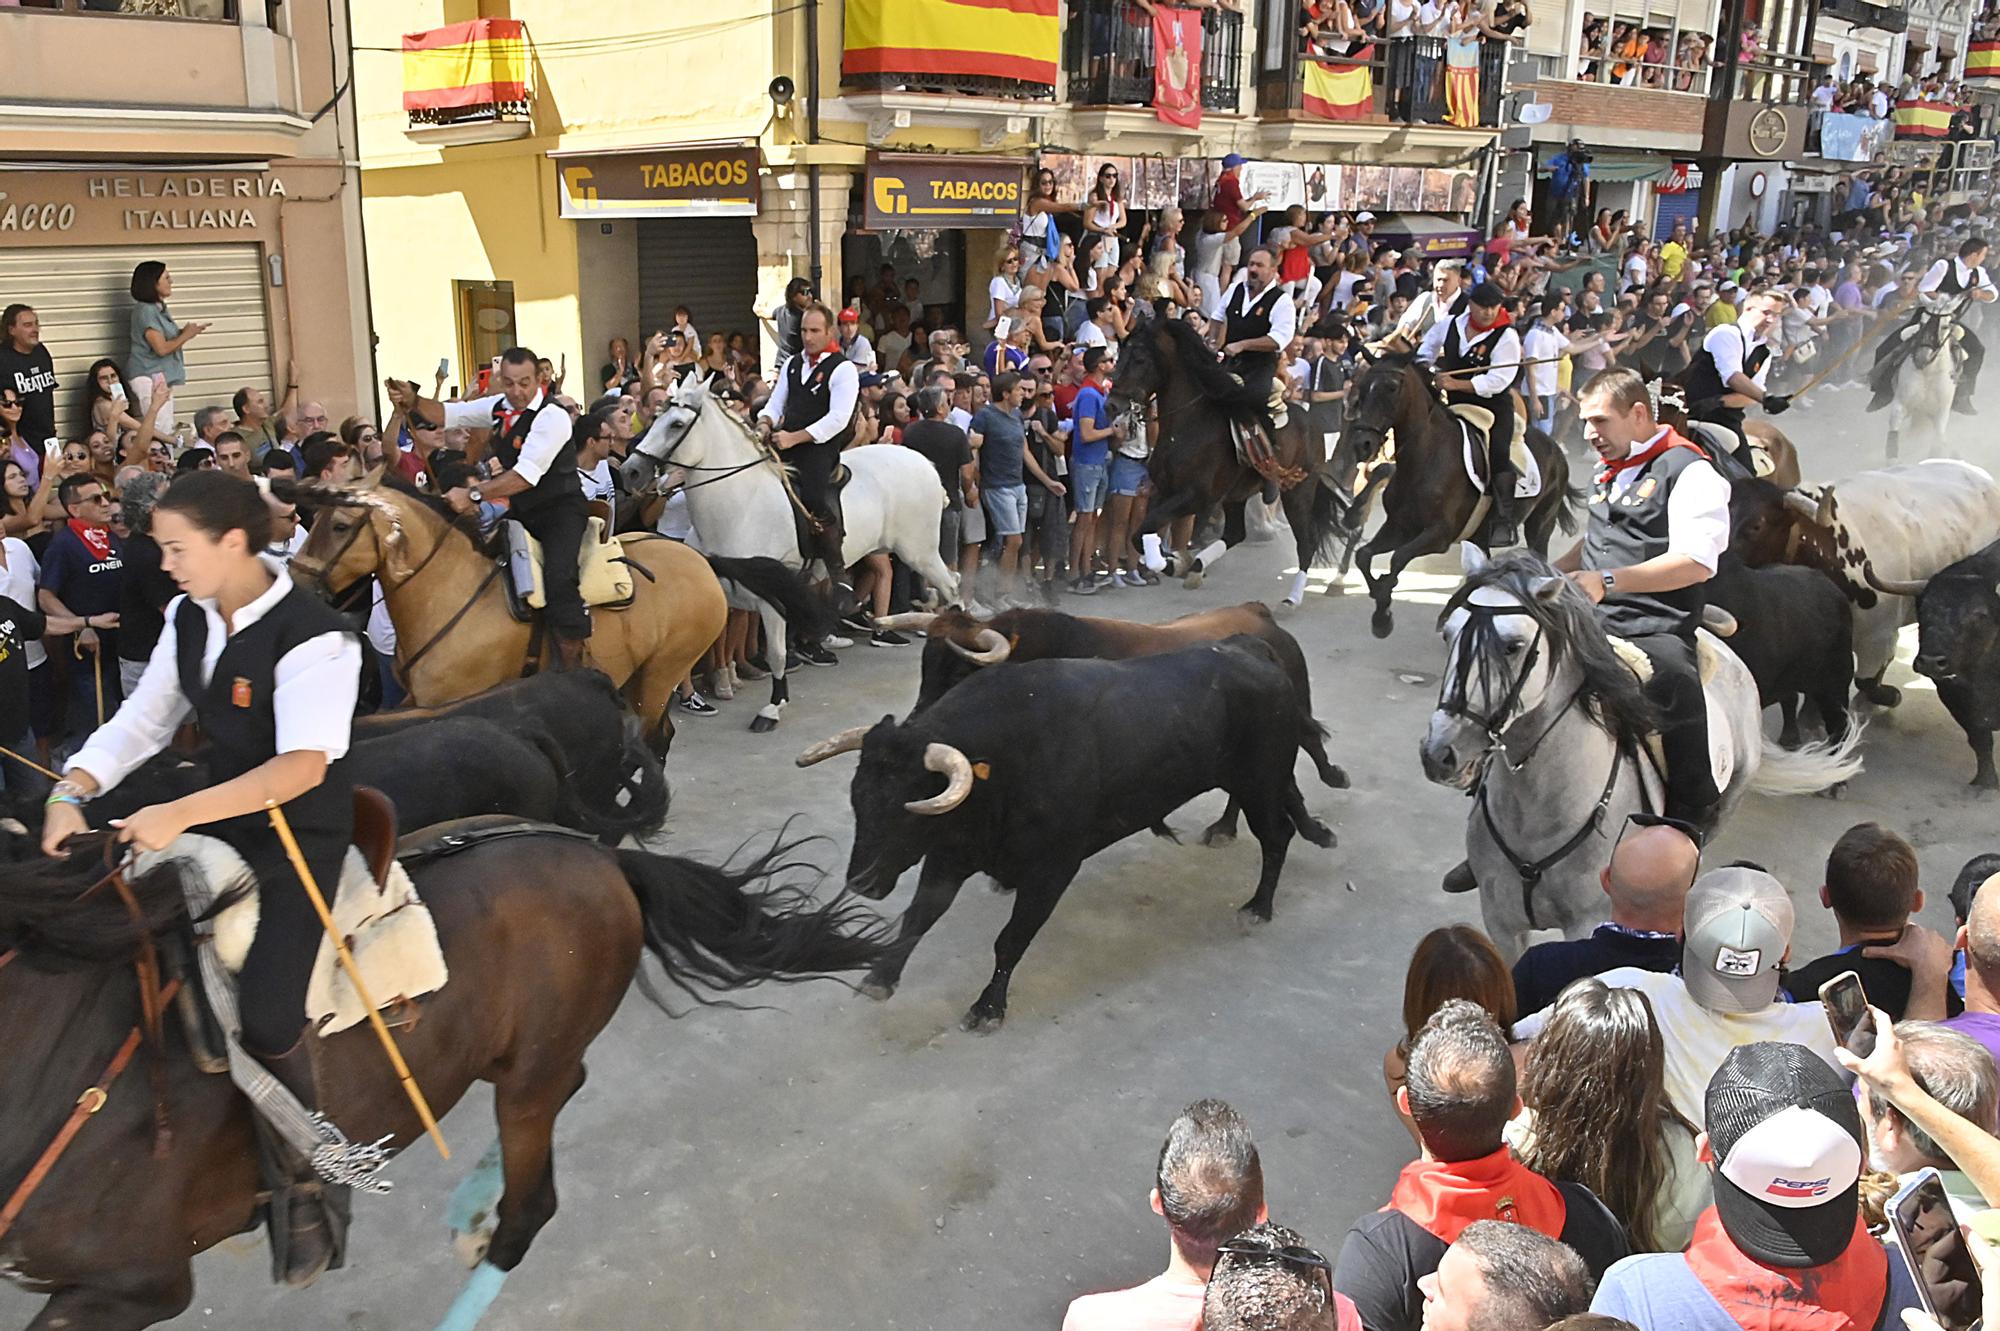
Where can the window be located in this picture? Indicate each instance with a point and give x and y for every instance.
(214, 11)
(485, 327)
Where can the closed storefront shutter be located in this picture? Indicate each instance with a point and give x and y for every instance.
(708, 264)
(83, 298)
(1682, 207)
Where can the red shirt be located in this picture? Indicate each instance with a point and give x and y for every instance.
(1228, 199)
(1065, 398)
(412, 468)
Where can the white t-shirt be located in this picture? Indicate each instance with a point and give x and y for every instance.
(1004, 290)
(17, 584)
(1208, 247)
(597, 482)
(1088, 334)
(1543, 343)
(1636, 270)
(889, 348)
(1697, 1040)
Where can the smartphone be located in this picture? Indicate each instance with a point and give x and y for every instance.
(444, 366)
(52, 448)
(1847, 1012)
(1927, 1232)
(117, 390)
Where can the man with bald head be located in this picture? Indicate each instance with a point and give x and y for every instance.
(1979, 939)
(1648, 878)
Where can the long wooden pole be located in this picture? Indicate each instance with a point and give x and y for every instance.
(410, 1088)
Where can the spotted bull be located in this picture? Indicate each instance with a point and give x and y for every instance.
(1046, 763)
(1958, 645)
(1893, 527)
(958, 645)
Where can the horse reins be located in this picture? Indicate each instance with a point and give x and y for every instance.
(666, 460)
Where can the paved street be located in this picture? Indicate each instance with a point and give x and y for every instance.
(837, 1163)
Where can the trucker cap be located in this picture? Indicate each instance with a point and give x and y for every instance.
(1786, 1138)
(1737, 925)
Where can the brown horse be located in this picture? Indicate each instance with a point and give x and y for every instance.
(542, 932)
(1429, 501)
(1195, 465)
(1773, 442)
(454, 633)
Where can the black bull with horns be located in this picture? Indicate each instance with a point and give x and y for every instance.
(1027, 804)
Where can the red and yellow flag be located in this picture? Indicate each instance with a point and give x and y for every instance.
(1341, 90)
(1982, 60)
(999, 39)
(1916, 119)
(466, 64)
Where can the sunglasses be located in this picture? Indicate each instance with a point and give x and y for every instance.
(1643, 820)
(1310, 1259)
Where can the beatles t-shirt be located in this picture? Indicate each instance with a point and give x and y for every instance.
(32, 374)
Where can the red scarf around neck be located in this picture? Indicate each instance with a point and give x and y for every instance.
(1501, 319)
(1844, 1295)
(1671, 439)
(98, 539)
(1444, 1197)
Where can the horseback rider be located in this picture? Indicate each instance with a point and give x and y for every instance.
(531, 438)
(1659, 523)
(1477, 356)
(1258, 322)
(1947, 281)
(270, 673)
(1729, 371)
(810, 418)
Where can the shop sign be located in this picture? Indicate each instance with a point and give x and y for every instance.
(913, 192)
(1681, 178)
(60, 203)
(1810, 182)
(667, 182)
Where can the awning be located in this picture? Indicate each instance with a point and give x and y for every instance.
(1865, 63)
(1822, 53)
(1616, 168)
(1428, 235)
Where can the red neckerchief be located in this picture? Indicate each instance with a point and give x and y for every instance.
(1443, 1198)
(506, 415)
(1501, 319)
(1844, 1295)
(97, 538)
(1671, 439)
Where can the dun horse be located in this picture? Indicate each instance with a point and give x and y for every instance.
(1429, 502)
(1195, 464)
(454, 633)
(542, 933)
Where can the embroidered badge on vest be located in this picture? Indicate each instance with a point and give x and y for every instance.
(239, 692)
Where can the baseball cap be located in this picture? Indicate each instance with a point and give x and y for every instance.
(1737, 924)
(849, 315)
(1364, 216)
(1786, 1136)
(872, 380)
(1728, 286)
(1234, 159)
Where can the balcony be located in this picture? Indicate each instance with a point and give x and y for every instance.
(1410, 82)
(468, 82)
(952, 48)
(1108, 55)
(1861, 14)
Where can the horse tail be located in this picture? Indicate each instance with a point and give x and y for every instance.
(714, 927)
(769, 580)
(1576, 499)
(1811, 769)
(1327, 525)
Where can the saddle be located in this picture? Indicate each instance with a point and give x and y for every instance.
(1256, 446)
(1707, 659)
(604, 576)
(1475, 422)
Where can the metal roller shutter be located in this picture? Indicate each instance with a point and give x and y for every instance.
(708, 264)
(83, 296)
(1682, 207)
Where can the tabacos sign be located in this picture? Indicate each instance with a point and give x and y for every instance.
(917, 192)
(669, 182)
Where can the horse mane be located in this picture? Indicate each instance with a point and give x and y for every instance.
(370, 497)
(45, 913)
(1610, 693)
(1198, 362)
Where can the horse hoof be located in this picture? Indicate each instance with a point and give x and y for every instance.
(1218, 836)
(1250, 914)
(878, 989)
(1883, 695)
(1381, 623)
(471, 1246)
(1987, 787)
(1836, 791)
(1288, 604)
(1319, 834)
(1336, 778)
(1193, 580)
(981, 1022)
(763, 725)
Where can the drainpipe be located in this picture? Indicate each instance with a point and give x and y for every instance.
(812, 138)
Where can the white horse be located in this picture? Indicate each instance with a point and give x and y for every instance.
(1541, 716)
(1927, 380)
(736, 497)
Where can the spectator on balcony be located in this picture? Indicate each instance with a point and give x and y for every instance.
(1505, 24)
(1039, 234)
(1589, 48)
(157, 341)
(1459, 21)
(1433, 26)
(1104, 216)
(1399, 29)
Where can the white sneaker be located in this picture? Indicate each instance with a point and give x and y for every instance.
(834, 640)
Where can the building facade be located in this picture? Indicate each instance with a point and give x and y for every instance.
(235, 167)
(706, 155)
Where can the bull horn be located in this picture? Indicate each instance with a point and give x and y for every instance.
(916, 621)
(946, 759)
(989, 648)
(1803, 505)
(847, 741)
(1718, 621)
(1890, 586)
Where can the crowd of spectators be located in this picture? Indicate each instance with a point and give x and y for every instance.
(1441, 61)
(1636, 1129)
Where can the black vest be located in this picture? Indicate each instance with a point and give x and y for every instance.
(1630, 530)
(1249, 319)
(1474, 356)
(809, 395)
(1951, 286)
(558, 483)
(237, 711)
(1703, 381)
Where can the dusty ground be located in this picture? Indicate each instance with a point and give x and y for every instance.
(838, 1163)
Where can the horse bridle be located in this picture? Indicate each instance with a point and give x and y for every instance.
(665, 461)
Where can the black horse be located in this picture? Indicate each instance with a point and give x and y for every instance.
(1195, 464)
(1429, 502)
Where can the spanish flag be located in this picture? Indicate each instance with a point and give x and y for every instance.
(476, 63)
(995, 39)
(1917, 119)
(1341, 90)
(1982, 60)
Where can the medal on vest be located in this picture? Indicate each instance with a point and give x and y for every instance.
(239, 692)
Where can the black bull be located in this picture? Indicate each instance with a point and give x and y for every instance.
(1046, 763)
(1958, 645)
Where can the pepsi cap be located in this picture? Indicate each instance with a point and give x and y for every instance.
(1786, 1137)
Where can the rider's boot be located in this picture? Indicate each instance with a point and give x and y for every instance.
(1885, 390)
(569, 652)
(1460, 878)
(1503, 524)
(1962, 404)
(308, 1216)
(828, 543)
